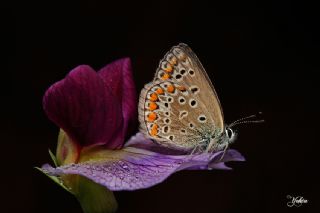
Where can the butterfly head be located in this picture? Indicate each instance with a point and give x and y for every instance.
(231, 135)
(221, 140)
(228, 136)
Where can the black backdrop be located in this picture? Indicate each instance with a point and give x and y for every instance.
(260, 56)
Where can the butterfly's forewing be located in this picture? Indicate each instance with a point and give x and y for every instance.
(180, 105)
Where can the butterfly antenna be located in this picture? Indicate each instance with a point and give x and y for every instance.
(241, 119)
(245, 120)
(248, 122)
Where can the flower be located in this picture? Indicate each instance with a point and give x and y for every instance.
(96, 111)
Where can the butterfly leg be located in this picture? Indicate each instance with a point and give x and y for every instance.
(224, 151)
(193, 150)
(210, 151)
(196, 149)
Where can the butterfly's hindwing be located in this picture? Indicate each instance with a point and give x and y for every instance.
(180, 107)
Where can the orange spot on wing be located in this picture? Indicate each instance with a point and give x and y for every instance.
(159, 91)
(154, 130)
(168, 68)
(165, 76)
(181, 88)
(170, 88)
(153, 97)
(153, 106)
(152, 116)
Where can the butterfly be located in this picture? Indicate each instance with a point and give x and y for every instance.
(180, 108)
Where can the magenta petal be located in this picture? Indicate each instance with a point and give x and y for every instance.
(136, 168)
(84, 107)
(118, 77)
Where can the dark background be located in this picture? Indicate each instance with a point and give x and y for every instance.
(262, 57)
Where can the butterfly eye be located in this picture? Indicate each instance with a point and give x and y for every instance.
(229, 132)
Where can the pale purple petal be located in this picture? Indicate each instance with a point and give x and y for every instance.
(230, 155)
(220, 165)
(83, 106)
(136, 168)
(142, 142)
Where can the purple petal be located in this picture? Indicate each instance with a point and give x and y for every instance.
(83, 106)
(132, 168)
(220, 165)
(140, 141)
(118, 77)
(230, 155)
